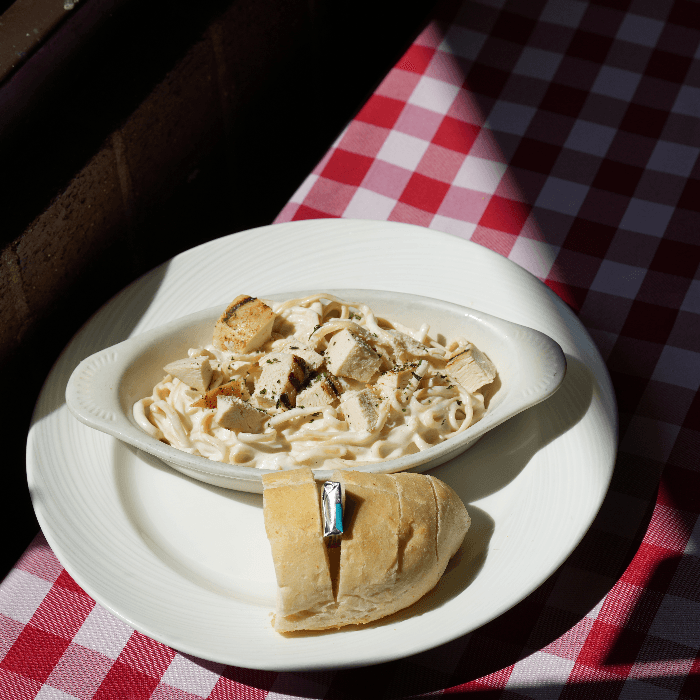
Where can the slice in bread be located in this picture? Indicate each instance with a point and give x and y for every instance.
(400, 532)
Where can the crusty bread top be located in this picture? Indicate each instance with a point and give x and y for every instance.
(453, 521)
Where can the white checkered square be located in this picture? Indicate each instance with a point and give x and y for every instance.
(186, 674)
(688, 101)
(588, 137)
(562, 195)
(647, 217)
(678, 367)
(366, 204)
(479, 174)
(103, 632)
(649, 438)
(402, 150)
(510, 118)
(674, 158)
(463, 42)
(640, 30)
(537, 63)
(535, 256)
(21, 594)
(567, 13)
(616, 82)
(434, 95)
(618, 279)
(446, 224)
(693, 545)
(540, 676)
(692, 298)
(49, 693)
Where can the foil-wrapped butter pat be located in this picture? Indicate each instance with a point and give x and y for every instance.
(332, 507)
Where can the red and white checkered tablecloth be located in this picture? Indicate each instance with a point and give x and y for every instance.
(564, 135)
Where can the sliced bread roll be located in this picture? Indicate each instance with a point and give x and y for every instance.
(400, 531)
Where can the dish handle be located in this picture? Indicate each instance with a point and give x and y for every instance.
(92, 394)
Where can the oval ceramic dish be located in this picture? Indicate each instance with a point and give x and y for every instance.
(104, 387)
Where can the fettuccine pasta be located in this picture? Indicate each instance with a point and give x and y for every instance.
(309, 380)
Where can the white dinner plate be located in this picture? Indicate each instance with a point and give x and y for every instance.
(188, 563)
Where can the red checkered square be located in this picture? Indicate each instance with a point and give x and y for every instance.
(424, 193)
(456, 135)
(645, 121)
(347, 168)
(440, 163)
(168, 692)
(589, 46)
(364, 139)
(505, 215)
(380, 111)
(16, 687)
(649, 322)
(485, 80)
(587, 237)
(535, 155)
(685, 14)
(416, 59)
(408, 214)
(628, 390)
(513, 27)
(676, 258)
(498, 241)
(617, 177)
(124, 681)
(663, 289)
(604, 207)
(690, 197)
(668, 66)
(65, 580)
(304, 212)
(684, 487)
(692, 420)
(563, 99)
(146, 655)
(80, 672)
(329, 197)
(236, 682)
(600, 642)
(62, 612)
(34, 654)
